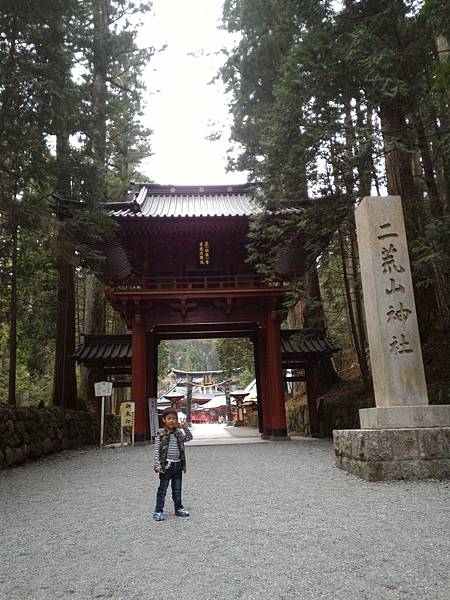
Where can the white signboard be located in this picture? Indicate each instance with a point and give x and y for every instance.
(153, 417)
(103, 388)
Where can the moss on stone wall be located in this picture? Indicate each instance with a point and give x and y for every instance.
(29, 433)
(338, 409)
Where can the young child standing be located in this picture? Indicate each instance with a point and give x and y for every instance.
(170, 462)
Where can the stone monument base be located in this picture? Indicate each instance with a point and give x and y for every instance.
(386, 454)
(402, 417)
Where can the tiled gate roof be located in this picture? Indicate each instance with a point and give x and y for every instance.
(306, 341)
(166, 201)
(296, 344)
(104, 348)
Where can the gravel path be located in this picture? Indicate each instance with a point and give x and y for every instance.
(269, 520)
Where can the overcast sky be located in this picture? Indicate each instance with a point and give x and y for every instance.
(182, 108)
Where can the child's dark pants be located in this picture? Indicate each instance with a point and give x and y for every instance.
(172, 473)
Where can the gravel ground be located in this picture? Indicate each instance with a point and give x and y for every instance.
(272, 520)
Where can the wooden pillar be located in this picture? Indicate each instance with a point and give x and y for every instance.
(264, 389)
(311, 394)
(152, 344)
(256, 346)
(139, 364)
(275, 376)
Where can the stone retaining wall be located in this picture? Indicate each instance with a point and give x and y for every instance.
(342, 414)
(29, 433)
(112, 429)
(297, 418)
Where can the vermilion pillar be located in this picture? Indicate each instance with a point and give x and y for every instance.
(275, 376)
(152, 366)
(264, 394)
(256, 345)
(139, 378)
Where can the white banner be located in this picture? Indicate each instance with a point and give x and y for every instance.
(153, 416)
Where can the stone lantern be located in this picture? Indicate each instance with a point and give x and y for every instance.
(175, 399)
(239, 397)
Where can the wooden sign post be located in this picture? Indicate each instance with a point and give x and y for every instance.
(127, 418)
(103, 389)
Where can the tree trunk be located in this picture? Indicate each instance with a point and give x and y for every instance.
(94, 324)
(365, 150)
(350, 293)
(314, 317)
(435, 202)
(442, 48)
(443, 51)
(400, 181)
(94, 313)
(358, 304)
(101, 60)
(94, 306)
(296, 320)
(64, 377)
(6, 112)
(13, 316)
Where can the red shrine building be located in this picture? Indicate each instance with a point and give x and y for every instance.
(177, 269)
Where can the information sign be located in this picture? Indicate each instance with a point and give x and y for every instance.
(103, 388)
(153, 417)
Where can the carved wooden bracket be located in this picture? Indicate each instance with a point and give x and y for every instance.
(183, 307)
(227, 305)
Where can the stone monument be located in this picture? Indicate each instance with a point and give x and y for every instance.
(403, 437)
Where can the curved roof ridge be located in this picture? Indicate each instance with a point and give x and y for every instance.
(166, 201)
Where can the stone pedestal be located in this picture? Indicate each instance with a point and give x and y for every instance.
(403, 437)
(401, 417)
(384, 454)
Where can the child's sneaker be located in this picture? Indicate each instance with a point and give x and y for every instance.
(181, 512)
(159, 516)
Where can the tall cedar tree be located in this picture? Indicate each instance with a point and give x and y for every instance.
(329, 103)
(41, 101)
(115, 135)
(24, 156)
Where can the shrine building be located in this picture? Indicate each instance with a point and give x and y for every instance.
(177, 269)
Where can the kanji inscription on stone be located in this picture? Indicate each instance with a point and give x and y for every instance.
(391, 318)
(388, 260)
(399, 346)
(395, 287)
(398, 314)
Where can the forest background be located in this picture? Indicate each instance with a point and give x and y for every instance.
(330, 102)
